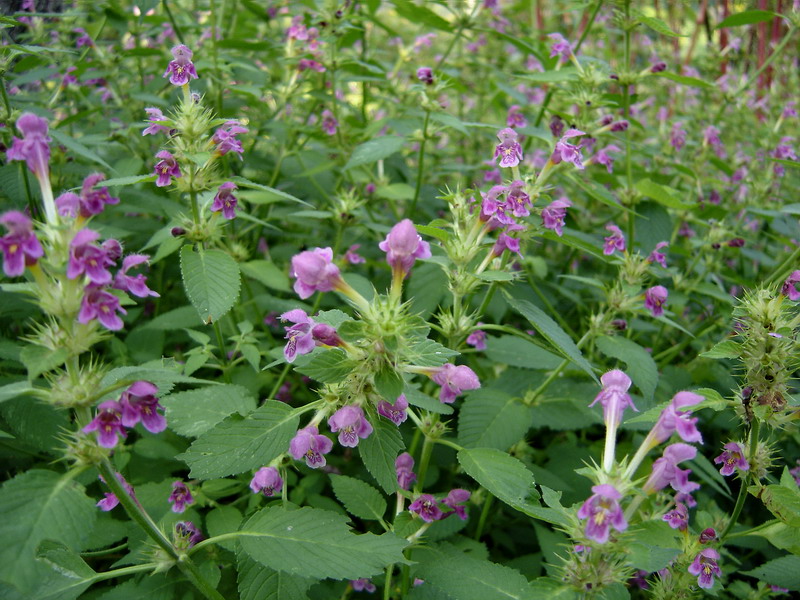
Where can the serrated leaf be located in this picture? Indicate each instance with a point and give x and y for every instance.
(686, 80)
(747, 17)
(257, 582)
(782, 502)
(467, 577)
(38, 359)
(501, 474)
(39, 505)
(196, 411)
(73, 574)
(359, 498)
(222, 520)
(517, 352)
(389, 384)
(130, 180)
(653, 545)
(211, 280)
(266, 272)
(496, 276)
(492, 419)
(239, 444)
(417, 13)
(566, 74)
(552, 332)
(421, 400)
(660, 193)
(327, 366)
(78, 148)
(724, 349)
(379, 452)
(317, 543)
(642, 368)
(656, 25)
(375, 150)
(783, 571)
(12, 390)
(428, 353)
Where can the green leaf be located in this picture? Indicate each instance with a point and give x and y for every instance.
(417, 398)
(12, 390)
(660, 193)
(492, 419)
(131, 180)
(783, 571)
(379, 452)
(246, 183)
(428, 353)
(38, 359)
(467, 577)
(686, 80)
(359, 498)
(652, 546)
(375, 150)
(211, 280)
(501, 474)
(496, 276)
(388, 383)
(724, 349)
(517, 352)
(566, 74)
(782, 502)
(257, 582)
(265, 271)
(417, 14)
(747, 17)
(73, 575)
(656, 25)
(327, 366)
(642, 368)
(196, 411)
(39, 505)
(72, 144)
(239, 444)
(552, 332)
(222, 520)
(317, 543)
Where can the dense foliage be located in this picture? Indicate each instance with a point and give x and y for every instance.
(428, 300)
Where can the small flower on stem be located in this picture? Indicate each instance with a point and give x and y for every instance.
(603, 511)
(166, 168)
(397, 412)
(655, 298)
(134, 284)
(789, 287)
(427, 507)
(108, 424)
(666, 472)
(560, 47)
(353, 257)
(268, 481)
(567, 152)
(732, 459)
(707, 535)
(658, 257)
(705, 567)
(85, 258)
(456, 500)
(309, 444)
(477, 339)
(225, 201)
(515, 118)
(111, 501)
(603, 158)
(404, 468)
(180, 70)
(155, 117)
(363, 585)
(315, 272)
(20, 246)
(403, 246)
(553, 215)
(225, 138)
(329, 122)
(180, 497)
(675, 418)
(615, 241)
(508, 150)
(34, 147)
(614, 397)
(454, 380)
(101, 305)
(677, 136)
(351, 424)
(425, 75)
(678, 518)
(139, 403)
(187, 534)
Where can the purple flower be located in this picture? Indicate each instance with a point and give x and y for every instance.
(705, 567)
(602, 511)
(614, 397)
(553, 215)
(180, 69)
(396, 412)
(180, 497)
(134, 284)
(455, 500)
(427, 508)
(166, 168)
(615, 241)
(556, 126)
(363, 585)
(678, 518)
(711, 137)
(666, 472)
(508, 150)
(353, 257)
(85, 258)
(188, 534)
(20, 245)
(93, 201)
(567, 152)
(404, 468)
(225, 138)
(674, 418)
(477, 339)
(139, 403)
(301, 340)
(268, 481)
(505, 242)
(602, 157)
(517, 200)
(732, 458)
(308, 444)
(108, 424)
(677, 136)
(658, 257)
(34, 147)
(454, 380)
(654, 299)
(154, 118)
(515, 118)
(658, 67)
(111, 501)
(310, 64)
(351, 424)
(101, 305)
(83, 38)
(789, 287)
(707, 535)
(561, 47)
(315, 272)
(225, 201)
(425, 75)
(403, 246)
(329, 122)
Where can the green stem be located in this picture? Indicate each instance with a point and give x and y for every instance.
(122, 572)
(192, 573)
(279, 382)
(782, 271)
(171, 18)
(420, 164)
(737, 509)
(215, 56)
(223, 358)
(424, 459)
(106, 550)
(193, 197)
(387, 584)
(626, 101)
(487, 505)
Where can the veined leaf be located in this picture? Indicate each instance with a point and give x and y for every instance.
(196, 411)
(211, 280)
(498, 472)
(359, 498)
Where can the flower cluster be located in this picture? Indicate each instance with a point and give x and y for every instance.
(137, 404)
(430, 509)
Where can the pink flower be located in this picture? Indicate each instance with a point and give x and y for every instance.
(180, 70)
(108, 424)
(508, 150)
(404, 468)
(456, 500)
(139, 403)
(20, 245)
(309, 444)
(225, 138)
(351, 424)
(553, 215)
(678, 518)
(85, 258)
(731, 459)
(567, 152)
(603, 511)
(363, 585)
(101, 305)
(329, 122)
(658, 257)
(477, 339)
(615, 241)
(427, 508)
(403, 246)
(396, 412)
(315, 272)
(515, 118)
(603, 158)
(678, 136)
(225, 201)
(134, 284)
(705, 567)
(155, 117)
(674, 418)
(654, 299)
(425, 75)
(561, 47)
(789, 287)
(614, 397)
(166, 168)
(180, 497)
(666, 472)
(34, 147)
(353, 257)
(268, 481)
(454, 380)
(111, 501)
